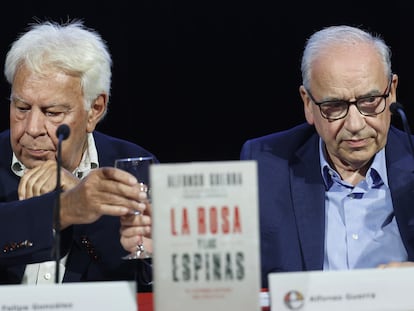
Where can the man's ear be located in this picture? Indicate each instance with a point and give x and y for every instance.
(307, 105)
(96, 112)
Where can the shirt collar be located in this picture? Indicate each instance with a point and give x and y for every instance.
(376, 174)
(89, 160)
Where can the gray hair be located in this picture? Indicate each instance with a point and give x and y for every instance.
(70, 47)
(341, 35)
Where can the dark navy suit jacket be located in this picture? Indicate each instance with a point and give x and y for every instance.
(292, 197)
(26, 227)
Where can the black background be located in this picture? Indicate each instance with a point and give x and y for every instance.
(192, 80)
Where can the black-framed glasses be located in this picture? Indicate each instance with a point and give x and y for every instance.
(367, 105)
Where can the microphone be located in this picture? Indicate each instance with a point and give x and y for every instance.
(62, 133)
(396, 107)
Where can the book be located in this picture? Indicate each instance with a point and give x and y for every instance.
(206, 236)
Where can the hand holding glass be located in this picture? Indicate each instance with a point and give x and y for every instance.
(139, 167)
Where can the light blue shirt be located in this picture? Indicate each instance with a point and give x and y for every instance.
(360, 226)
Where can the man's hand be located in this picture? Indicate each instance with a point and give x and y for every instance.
(104, 191)
(42, 179)
(136, 229)
(396, 264)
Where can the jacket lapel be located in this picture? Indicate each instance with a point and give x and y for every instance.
(309, 203)
(400, 170)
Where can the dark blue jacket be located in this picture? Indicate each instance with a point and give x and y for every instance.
(292, 197)
(26, 234)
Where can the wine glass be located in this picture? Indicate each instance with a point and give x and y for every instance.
(139, 167)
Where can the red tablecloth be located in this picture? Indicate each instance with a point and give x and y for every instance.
(145, 302)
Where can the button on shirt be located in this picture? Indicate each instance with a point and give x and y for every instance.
(361, 230)
(44, 273)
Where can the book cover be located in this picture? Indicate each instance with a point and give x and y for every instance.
(206, 236)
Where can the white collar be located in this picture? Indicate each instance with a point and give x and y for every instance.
(89, 160)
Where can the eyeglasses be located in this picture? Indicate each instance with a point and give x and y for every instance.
(367, 105)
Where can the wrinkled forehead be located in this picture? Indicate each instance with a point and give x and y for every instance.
(46, 87)
(348, 66)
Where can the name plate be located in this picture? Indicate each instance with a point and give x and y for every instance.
(103, 296)
(361, 289)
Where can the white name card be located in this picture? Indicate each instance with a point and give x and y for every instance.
(103, 296)
(357, 290)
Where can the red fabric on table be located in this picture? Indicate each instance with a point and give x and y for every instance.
(145, 302)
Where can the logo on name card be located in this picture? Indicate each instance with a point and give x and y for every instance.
(294, 300)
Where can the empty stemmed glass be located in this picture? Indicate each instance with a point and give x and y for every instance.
(139, 167)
